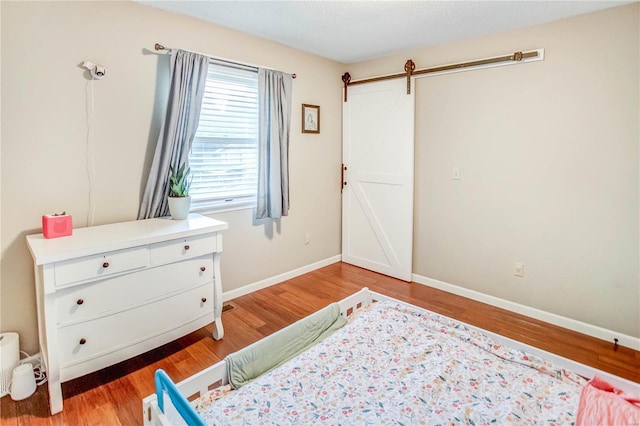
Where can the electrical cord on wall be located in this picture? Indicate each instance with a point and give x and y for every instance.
(90, 160)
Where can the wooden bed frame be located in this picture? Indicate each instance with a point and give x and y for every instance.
(210, 378)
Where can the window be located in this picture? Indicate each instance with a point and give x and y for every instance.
(224, 154)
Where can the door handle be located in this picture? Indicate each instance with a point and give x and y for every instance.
(343, 183)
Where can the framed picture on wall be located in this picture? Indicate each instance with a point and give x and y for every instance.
(310, 118)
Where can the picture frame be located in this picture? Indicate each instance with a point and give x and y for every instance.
(310, 118)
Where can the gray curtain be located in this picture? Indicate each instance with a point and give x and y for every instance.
(274, 97)
(188, 78)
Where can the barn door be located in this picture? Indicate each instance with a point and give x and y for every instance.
(377, 197)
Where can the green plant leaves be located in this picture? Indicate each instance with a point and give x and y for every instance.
(179, 186)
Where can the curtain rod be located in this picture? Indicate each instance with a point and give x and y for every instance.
(158, 47)
(410, 68)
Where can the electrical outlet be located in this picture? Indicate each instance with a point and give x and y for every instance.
(307, 239)
(455, 174)
(518, 269)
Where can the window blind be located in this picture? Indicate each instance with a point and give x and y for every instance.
(224, 153)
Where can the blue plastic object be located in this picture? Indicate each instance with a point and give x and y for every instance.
(165, 384)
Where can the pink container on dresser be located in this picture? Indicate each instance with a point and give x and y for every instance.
(56, 225)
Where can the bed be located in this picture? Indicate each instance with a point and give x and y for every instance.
(389, 362)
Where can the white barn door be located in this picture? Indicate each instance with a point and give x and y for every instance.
(377, 200)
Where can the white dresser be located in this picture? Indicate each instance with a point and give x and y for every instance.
(111, 292)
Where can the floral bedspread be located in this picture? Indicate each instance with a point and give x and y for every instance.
(392, 364)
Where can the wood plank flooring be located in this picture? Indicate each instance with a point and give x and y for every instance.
(113, 396)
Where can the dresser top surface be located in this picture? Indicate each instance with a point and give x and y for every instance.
(115, 236)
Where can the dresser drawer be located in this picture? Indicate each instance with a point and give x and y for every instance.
(90, 339)
(100, 265)
(102, 297)
(183, 248)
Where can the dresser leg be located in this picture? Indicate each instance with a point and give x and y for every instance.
(55, 396)
(218, 330)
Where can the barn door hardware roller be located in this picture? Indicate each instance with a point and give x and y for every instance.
(409, 68)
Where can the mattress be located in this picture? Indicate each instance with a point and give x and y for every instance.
(396, 364)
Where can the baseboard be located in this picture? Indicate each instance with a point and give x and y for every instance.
(268, 282)
(571, 324)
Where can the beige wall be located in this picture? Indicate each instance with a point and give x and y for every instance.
(549, 157)
(44, 136)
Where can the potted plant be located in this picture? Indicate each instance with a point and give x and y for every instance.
(179, 199)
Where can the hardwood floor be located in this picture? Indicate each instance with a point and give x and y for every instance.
(113, 396)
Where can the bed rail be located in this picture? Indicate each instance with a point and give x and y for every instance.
(165, 388)
(355, 301)
(216, 375)
(191, 388)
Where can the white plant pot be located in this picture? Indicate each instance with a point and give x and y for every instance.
(179, 207)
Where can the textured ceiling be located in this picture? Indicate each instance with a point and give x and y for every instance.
(352, 31)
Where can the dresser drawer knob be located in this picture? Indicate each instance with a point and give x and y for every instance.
(105, 265)
(79, 302)
(202, 268)
(83, 341)
(204, 300)
(186, 247)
